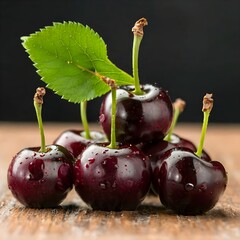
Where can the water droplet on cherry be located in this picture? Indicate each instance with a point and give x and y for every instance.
(189, 187)
(91, 160)
(102, 118)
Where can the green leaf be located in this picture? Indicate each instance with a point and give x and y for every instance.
(70, 58)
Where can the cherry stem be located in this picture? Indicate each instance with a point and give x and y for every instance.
(178, 107)
(207, 107)
(113, 143)
(38, 102)
(83, 111)
(138, 35)
(112, 84)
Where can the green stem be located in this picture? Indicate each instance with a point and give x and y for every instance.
(83, 111)
(135, 51)
(113, 143)
(38, 109)
(175, 119)
(206, 115)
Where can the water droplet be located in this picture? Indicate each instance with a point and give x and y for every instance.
(189, 187)
(104, 162)
(102, 118)
(102, 185)
(36, 170)
(91, 160)
(202, 187)
(136, 152)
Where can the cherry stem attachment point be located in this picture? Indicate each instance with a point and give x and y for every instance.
(138, 35)
(38, 102)
(207, 107)
(83, 111)
(178, 107)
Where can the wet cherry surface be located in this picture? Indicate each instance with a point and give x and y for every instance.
(75, 142)
(139, 118)
(154, 150)
(41, 179)
(187, 184)
(112, 179)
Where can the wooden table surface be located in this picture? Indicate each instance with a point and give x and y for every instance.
(73, 220)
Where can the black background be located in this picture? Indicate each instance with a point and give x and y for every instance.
(189, 48)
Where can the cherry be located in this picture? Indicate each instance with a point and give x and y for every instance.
(154, 150)
(77, 140)
(112, 177)
(187, 184)
(139, 118)
(41, 177)
(144, 113)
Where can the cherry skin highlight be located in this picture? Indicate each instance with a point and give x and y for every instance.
(155, 150)
(139, 118)
(41, 180)
(112, 179)
(75, 142)
(187, 184)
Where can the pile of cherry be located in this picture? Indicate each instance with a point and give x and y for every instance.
(119, 178)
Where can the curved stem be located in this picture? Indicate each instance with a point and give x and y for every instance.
(113, 143)
(178, 107)
(175, 119)
(203, 134)
(207, 108)
(83, 111)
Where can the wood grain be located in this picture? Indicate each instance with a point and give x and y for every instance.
(73, 220)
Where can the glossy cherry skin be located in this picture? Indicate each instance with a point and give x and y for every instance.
(112, 179)
(41, 180)
(187, 184)
(178, 141)
(155, 150)
(75, 142)
(139, 118)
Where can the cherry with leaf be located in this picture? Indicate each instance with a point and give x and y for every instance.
(144, 112)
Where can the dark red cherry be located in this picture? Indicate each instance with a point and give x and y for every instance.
(187, 184)
(75, 142)
(112, 179)
(41, 180)
(139, 118)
